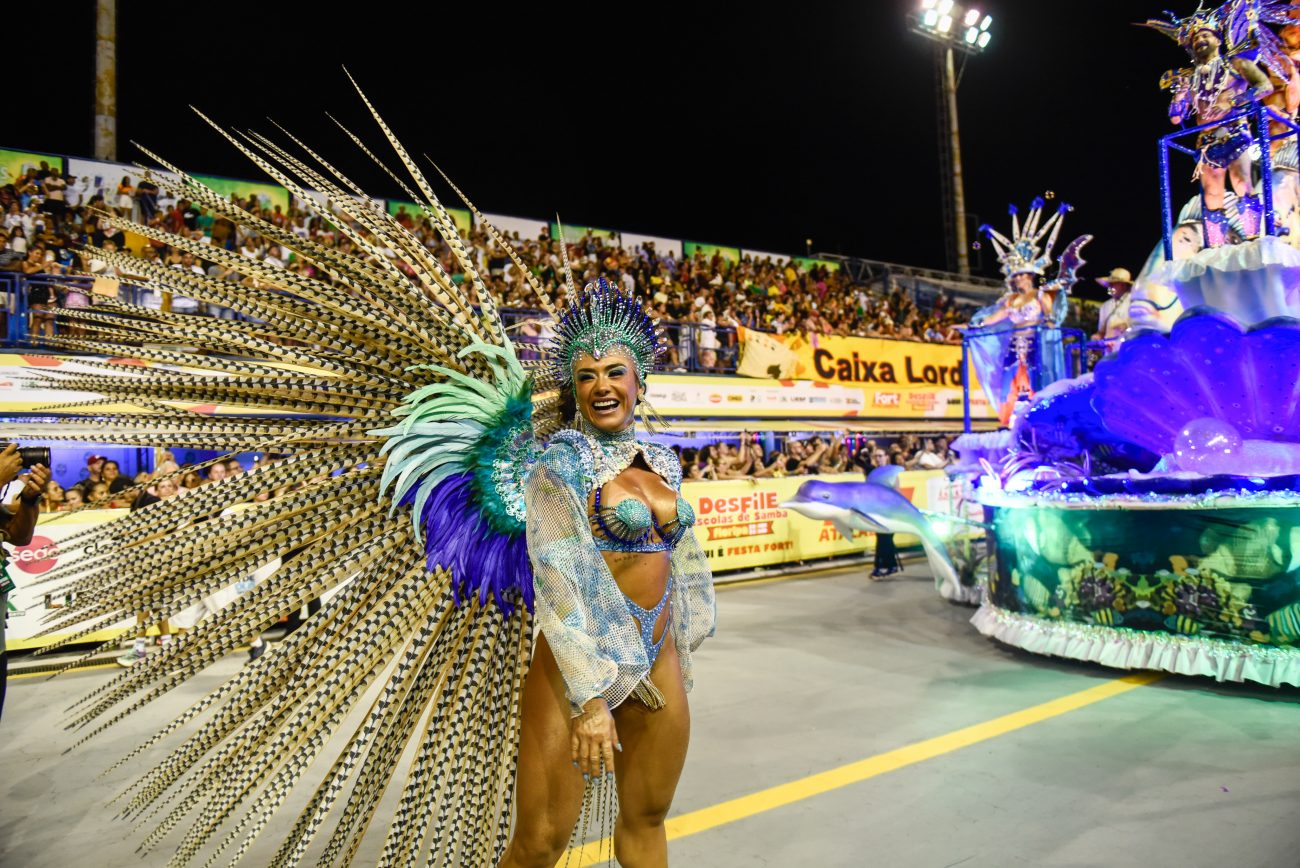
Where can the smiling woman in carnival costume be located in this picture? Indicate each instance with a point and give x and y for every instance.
(623, 596)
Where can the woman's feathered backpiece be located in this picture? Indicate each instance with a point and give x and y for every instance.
(406, 422)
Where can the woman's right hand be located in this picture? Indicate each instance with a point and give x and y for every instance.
(10, 464)
(594, 739)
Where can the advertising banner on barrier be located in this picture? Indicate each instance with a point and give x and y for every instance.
(575, 234)
(740, 524)
(708, 251)
(268, 195)
(680, 395)
(897, 379)
(808, 263)
(30, 602)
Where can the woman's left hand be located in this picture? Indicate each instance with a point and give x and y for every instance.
(594, 739)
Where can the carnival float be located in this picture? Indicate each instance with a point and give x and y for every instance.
(1146, 515)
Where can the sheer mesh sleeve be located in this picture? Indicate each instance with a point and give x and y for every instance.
(579, 607)
(697, 611)
(694, 605)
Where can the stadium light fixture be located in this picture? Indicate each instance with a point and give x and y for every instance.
(965, 29)
(954, 28)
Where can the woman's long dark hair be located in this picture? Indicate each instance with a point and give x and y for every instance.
(568, 404)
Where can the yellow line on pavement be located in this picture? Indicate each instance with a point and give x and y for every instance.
(834, 779)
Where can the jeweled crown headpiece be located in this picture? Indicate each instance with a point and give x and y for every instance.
(1020, 254)
(601, 319)
(1182, 30)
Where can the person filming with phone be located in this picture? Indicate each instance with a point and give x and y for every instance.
(17, 521)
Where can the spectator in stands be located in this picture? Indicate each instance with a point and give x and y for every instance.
(735, 463)
(10, 259)
(55, 201)
(75, 192)
(185, 262)
(40, 298)
(707, 335)
(927, 458)
(191, 480)
(72, 499)
(162, 490)
(146, 199)
(217, 472)
(772, 468)
(112, 476)
(55, 497)
(125, 197)
(17, 240)
(94, 470)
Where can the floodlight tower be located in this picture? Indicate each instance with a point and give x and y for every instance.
(953, 28)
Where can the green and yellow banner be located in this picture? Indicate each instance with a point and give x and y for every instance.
(460, 216)
(731, 254)
(14, 164)
(574, 234)
(269, 195)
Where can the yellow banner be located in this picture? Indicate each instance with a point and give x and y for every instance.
(897, 379)
(741, 526)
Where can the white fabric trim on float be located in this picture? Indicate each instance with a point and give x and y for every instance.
(1135, 649)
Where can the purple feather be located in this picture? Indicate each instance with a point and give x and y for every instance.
(483, 562)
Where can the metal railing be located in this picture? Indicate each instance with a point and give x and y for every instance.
(1260, 116)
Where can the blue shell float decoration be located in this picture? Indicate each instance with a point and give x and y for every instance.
(1208, 366)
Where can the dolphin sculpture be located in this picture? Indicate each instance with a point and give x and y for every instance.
(876, 508)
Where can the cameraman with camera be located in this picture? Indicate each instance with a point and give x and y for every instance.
(16, 526)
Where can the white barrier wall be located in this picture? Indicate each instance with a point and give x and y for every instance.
(527, 229)
(662, 245)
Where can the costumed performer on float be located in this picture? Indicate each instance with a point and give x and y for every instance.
(1113, 320)
(1030, 350)
(1233, 57)
(623, 596)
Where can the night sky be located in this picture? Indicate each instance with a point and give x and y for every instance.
(723, 123)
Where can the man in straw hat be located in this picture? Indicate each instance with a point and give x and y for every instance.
(1113, 322)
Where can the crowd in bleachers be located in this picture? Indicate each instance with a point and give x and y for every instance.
(746, 457)
(104, 486)
(48, 219)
